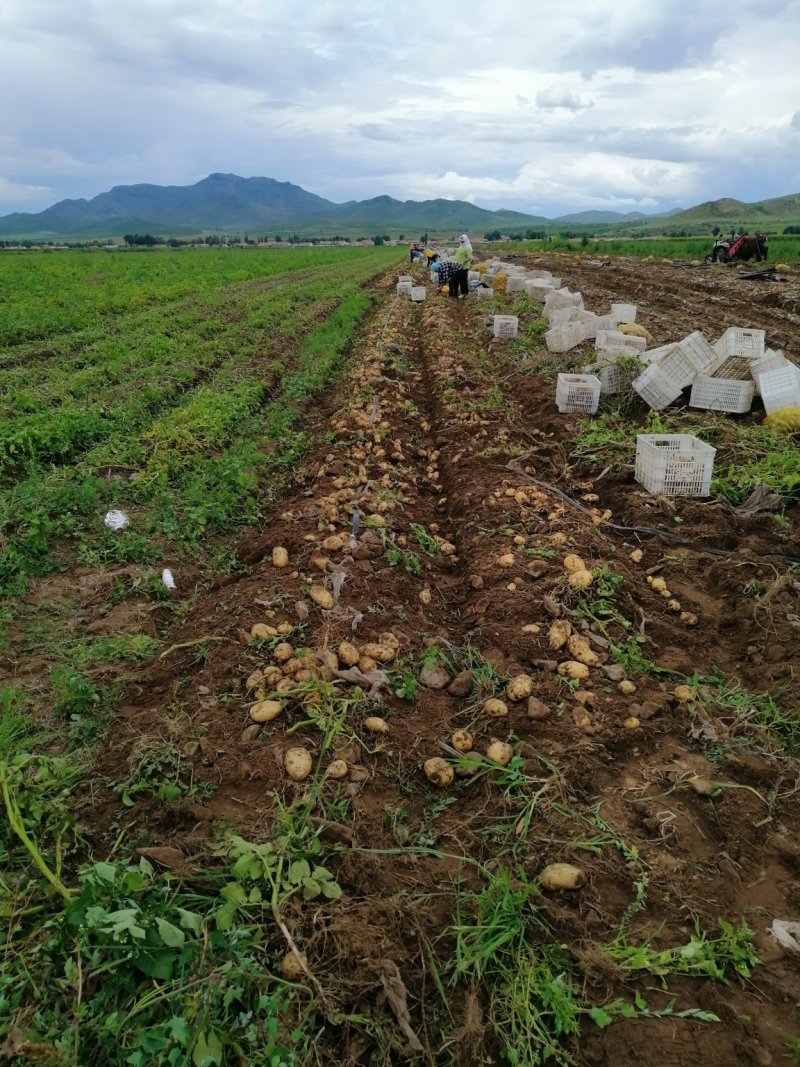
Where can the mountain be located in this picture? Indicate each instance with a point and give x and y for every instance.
(228, 203)
(596, 218)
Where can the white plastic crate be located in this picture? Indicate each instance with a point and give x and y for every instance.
(538, 288)
(435, 276)
(771, 360)
(613, 378)
(473, 276)
(656, 388)
(736, 368)
(418, 293)
(737, 341)
(562, 298)
(722, 394)
(563, 338)
(780, 388)
(674, 464)
(562, 316)
(405, 278)
(505, 325)
(544, 274)
(577, 393)
(623, 312)
(484, 294)
(404, 288)
(613, 341)
(515, 284)
(700, 353)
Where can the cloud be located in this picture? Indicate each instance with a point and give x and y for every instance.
(555, 96)
(614, 102)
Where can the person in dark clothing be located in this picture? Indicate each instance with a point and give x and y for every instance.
(454, 276)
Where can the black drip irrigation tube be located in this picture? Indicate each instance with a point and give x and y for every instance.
(642, 531)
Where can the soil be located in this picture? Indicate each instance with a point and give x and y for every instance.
(417, 437)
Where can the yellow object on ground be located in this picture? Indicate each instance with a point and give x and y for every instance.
(499, 283)
(785, 420)
(481, 268)
(782, 266)
(633, 329)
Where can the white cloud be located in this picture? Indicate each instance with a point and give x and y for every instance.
(634, 103)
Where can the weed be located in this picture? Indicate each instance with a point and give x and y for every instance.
(702, 955)
(421, 536)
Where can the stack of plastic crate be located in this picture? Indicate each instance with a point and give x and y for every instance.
(561, 298)
(674, 464)
(619, 343)
(404, 287)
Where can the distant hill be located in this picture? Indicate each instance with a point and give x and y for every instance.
(596, 218)
(775, 213)
(228, 203)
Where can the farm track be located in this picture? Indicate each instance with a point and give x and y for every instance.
(423, 434)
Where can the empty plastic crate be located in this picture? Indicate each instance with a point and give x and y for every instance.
(563, 338)
(515, 284)
(737, 341)
(737, 368)
(577, 393)
(484, 294)
(674, 464)
(404, 288)
(473, 276)
(623, 312)
(562, 298)
(561, 316)
(417, 293)
(722, 394)
(538, 288)
(780, 388)
(700, 353)
(613, 378)
(613, 341)
(656, 388)
(405, 278)
(505, 325)
(771, 360)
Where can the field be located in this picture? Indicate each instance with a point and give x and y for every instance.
(785, 250)
(366, 505)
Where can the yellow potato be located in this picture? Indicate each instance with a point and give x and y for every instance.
(573, 563)
(580, 650)
(462, 741)
(255, 679)
(580, 579)
(658, 585)
(298, 763)
(262, 632)
(280, 557)
(333, 543)
(495, 708)
(519, 688)
(632, 723)
(560, 876)
(294, 966)
(366, 664)
(266, 710)
(321, 597)
(338, 769)
(626, 688)
(376, 725)
(348, 654)
(272, 675)
(381, 653)
(499, 752)
(506, 560)
(573, 670)
(283, 652)
(685, 694)
(438, 771)
(637, 555)
(559, 634)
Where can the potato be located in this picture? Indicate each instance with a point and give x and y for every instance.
(280, 557)
(573, 670)
(262, 632)
(272, 675)
(348, 654)
(469, 763)
(626, 688)
(582, 719)
(637, 555)
(334, 543)
(499, 752)
(561, 876)
(559, 634)
(425, 597)
(389, 639)
(532, 628)
(255, 679)
(320, 562)
(519, 688)
(632, 723)
(584, 697)
(506, 560)
(285, 685)
(573, 563)
(283, 652)
(438, 771)
(537, 710)
(266, 710)
(580, 579)
(376, 725)
(674, 605)
(338, 769)
(495, 708)
(462, 741)
(658, 585)
(685, 694)
(329, 659)
(285, 628)
(321, 597)
(379, 652)
(294, 966)
(688, 618)
(366, 664)
(581, 651)
(298, 763)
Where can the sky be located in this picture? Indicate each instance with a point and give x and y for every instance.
(543, 107)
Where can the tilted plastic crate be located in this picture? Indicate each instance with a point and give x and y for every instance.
(771, 360)
(613, 341)
(676, 464)
(404, 288)
(780, 388)
(538, 288)
(700, 353)
(562, 298)
(563, 338)
(417, 293)
(738, 341)
(722, 394)
(577, 393)
(613, 378)
(623, 312)
(515, 284)
(561, 316)
(505, 325)
(483, 293)
(656, 388)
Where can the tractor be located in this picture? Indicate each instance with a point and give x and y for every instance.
(743, 247)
